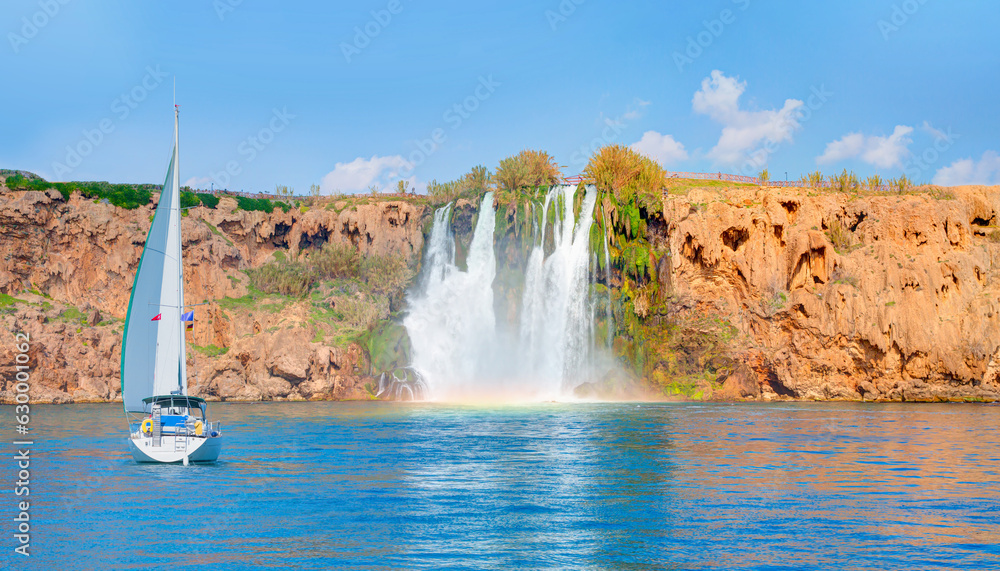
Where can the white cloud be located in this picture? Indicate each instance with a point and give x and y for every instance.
(199, 182)
(888, 151)
(848, 146)
(661, 148)
(742, 131)
(359, 174)
(883, 152)
(968, 171)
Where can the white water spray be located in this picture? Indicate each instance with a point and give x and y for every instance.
(555, 320)
(451, 323)
(452, 326)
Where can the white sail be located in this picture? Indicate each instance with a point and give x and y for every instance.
(153, 351)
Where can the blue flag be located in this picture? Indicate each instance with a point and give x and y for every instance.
(189, 316)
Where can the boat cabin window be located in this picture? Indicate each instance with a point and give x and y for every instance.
(182, 408)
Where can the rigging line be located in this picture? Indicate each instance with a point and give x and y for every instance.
(164, 254)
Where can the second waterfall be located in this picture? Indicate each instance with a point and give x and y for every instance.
(463, 351)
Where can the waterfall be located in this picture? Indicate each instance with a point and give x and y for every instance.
(555, 321)
(451, 322)
(457, 348)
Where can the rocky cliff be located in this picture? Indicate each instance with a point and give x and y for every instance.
(68, 266)
(846, 296)
(765, 293)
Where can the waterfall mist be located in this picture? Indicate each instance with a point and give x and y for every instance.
(459, 347)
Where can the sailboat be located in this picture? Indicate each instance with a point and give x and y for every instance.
(165, 423)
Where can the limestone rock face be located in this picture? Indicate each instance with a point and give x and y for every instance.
(70, 266)
(893, 297)
(835, 296)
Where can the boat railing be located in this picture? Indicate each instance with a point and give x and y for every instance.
(215, 427)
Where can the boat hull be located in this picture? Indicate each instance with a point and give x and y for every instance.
(197, 450)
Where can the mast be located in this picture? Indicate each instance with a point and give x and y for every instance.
(182, 354)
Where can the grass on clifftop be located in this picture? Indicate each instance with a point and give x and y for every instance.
(128, 196)
(131, 196)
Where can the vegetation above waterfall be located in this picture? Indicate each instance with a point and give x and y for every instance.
(677, 351)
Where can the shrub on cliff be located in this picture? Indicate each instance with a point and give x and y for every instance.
(283, 277)
(813, 179)
(472, 183)
(209, 200)
(527, 169)
(336, 260)
(874, 183)
(845, 182)
(386, 274)
(189, 199)
(128, 196)
(901, 185)
(619, 169)
(254, 204)
(840, 236)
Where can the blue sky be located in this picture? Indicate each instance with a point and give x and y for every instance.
(351, 94)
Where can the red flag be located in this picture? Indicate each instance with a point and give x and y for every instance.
(157, 318)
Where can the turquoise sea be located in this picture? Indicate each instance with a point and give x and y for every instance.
(544, 486)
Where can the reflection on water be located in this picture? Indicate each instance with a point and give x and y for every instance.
(599, 486)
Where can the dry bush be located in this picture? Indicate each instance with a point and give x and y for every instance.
(845, 182)
(471, 183)
(362, 313)
(477, 179)
(282, 277)
(336, 260)
(512, 174)
(527, 169)
(840, 236)
(874, 183)
(542, 168)
(386, 274)
(442, 192)
(902, 184)
(623, 171)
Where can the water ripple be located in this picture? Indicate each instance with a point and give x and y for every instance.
(580, 486)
